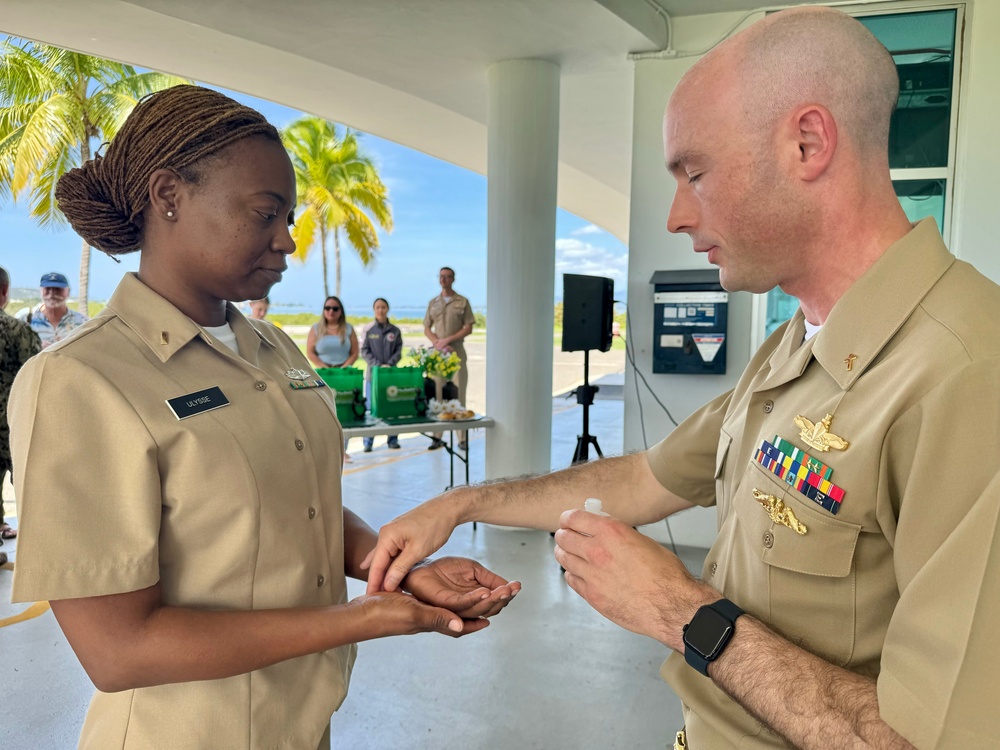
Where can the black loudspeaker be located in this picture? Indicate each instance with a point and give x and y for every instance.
(588, 310)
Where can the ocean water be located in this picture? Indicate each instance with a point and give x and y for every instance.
(359, 311)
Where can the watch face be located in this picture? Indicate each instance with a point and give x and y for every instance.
(708, 632)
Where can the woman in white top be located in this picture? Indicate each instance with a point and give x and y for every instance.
(332, 341)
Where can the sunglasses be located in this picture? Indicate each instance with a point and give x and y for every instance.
(331, 308)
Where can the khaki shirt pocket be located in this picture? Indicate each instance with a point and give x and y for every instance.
(807, 580)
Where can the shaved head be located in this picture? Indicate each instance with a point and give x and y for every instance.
(812, 55)
(778, 140)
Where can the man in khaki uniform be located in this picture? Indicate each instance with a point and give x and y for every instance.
(854, 467)
(448, 320)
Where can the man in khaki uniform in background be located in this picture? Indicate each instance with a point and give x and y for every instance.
(449, 319)
(854, 468)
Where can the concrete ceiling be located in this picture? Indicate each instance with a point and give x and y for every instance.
(411, 71)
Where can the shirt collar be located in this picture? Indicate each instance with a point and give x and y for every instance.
(876, 306)
(164, 328)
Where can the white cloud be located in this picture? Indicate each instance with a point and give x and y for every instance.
(589, 229)
(577, 256)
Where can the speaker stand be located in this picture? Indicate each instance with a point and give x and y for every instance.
(585, 397)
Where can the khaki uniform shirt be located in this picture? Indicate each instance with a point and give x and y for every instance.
(448, 318)
(903, 584)
(237, 508)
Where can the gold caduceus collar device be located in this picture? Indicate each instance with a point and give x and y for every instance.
(817, 434)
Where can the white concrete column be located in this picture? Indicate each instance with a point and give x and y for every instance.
(522, 169)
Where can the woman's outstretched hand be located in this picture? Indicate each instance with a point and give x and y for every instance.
(460, 585)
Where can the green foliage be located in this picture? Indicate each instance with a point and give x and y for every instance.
(339, 190)
(433, 362)
(54, 106)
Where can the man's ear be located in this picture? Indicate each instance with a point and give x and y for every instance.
(164, 189)
(814, 134)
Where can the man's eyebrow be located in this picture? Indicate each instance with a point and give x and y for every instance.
(681, 159)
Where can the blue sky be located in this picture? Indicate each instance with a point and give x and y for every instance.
(439, 212)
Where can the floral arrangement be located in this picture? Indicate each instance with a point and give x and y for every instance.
(433, 362)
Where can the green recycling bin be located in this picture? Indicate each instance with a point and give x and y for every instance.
(398, 393)
(348, 384)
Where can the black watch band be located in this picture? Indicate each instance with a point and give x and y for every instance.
(709, 632)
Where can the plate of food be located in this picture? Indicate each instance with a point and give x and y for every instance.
(452, 416)
(448, 411)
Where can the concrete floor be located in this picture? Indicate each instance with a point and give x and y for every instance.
(549, 673)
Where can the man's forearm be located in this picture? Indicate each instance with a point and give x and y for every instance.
(624, 484)
(807, 700)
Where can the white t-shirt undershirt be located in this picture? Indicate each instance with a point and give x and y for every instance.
(226, 335)
(811, 330)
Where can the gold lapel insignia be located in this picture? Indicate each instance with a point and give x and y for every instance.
(817, 434)
(779, 512)
(850, 361)
(295, 374)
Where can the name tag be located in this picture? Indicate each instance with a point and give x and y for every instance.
(196, 403)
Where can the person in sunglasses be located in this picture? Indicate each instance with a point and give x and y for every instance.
(332, 341)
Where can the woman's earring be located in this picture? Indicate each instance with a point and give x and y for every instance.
(170, 214)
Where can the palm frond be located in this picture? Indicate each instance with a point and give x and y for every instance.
(304, 234)
(24, 77)
(43, 190)
(338, 183)
(54, 125)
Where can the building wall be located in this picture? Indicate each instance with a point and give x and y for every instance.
(652, 248)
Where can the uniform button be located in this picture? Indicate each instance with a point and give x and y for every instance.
(715, 567)
(768, 406)
(320, 580)
(260, 385)
(312, 513)
(299, 444)
(768, 539)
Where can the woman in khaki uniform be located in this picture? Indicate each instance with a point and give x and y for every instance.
(209, 605)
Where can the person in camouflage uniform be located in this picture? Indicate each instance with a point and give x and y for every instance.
(17, 343)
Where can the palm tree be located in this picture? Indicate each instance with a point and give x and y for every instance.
(338, 189)
(53, 103)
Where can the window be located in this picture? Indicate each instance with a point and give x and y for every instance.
(922, 131)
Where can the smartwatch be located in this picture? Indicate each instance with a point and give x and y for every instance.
(708, 633)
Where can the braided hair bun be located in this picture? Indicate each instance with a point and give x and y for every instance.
(175, 128)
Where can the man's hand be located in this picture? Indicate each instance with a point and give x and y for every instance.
(407, 540)
(628, 577)
(442, 346)
(401, 614)
(461, 585)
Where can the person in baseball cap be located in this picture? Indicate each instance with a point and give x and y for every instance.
(54, 280)
(52, 320)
